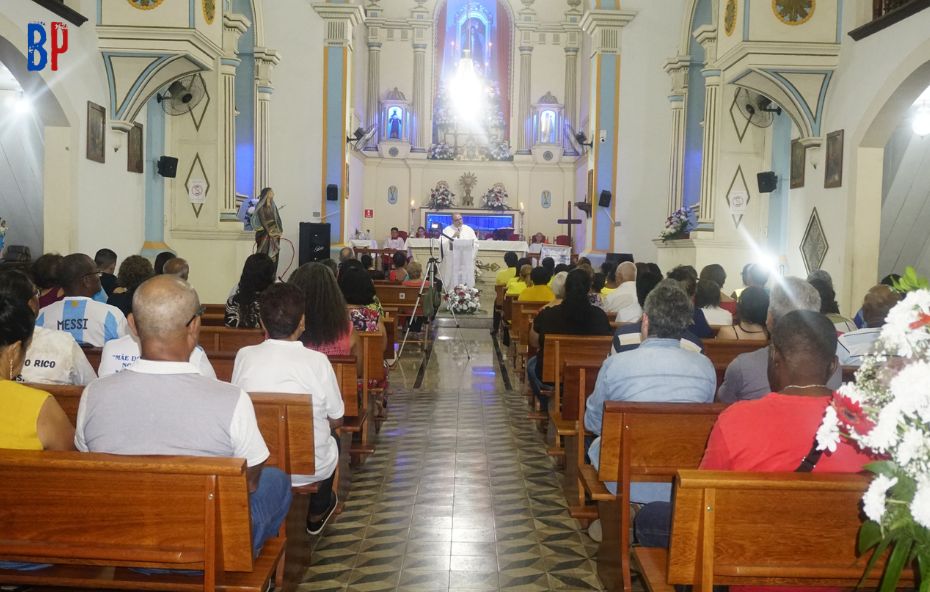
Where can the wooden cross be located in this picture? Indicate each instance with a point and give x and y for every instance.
(569, 222)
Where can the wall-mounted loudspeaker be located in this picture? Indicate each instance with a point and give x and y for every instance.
(768, 181)
(604, 199)
(314, 242)
(332, 192)
(168, 167)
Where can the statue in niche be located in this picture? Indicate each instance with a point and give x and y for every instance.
(468, 181)
(474, 39)
(394, 124)
(547, 128)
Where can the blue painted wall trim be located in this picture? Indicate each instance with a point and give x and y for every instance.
(335, 139)
(606, 153)
(778, 199)
(154, 183)
(245, 104)
(694, 111)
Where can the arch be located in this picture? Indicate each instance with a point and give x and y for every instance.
(245, 100)
(688, 25)
(46, 104)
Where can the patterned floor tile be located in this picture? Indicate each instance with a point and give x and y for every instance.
(460, 493)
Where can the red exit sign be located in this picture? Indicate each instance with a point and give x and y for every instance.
(369, 213)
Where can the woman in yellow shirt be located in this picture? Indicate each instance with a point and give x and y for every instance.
(31, 419)
(516, 286)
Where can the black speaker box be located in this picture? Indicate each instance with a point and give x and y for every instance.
(604, 199)
(314, 242)
(768, 181)
(332, 192)
(168, 167)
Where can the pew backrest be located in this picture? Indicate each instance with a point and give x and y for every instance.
(217, 339)
(223, 363)
(170, 512)
(779, 529)
(723, 351)
(579, 375)
(592, 347)
(347, 375)
(651, 441)
(214, 315)
(285, 421)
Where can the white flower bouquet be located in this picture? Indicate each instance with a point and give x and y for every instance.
(496, 197)
(441, 151)
(441, 196)
(499, 151)
(462, 300)
(887, 412)
(678, 224)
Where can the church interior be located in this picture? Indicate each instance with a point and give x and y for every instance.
(456, 153)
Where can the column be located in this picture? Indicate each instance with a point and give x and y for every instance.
(523, 107)
(573, 33)
(677, 69)
(605, 27)
(419, 136)
(372, 103)
(571, 85)
(341, 20)
(707, 37)
(234, 25)
(265, 60)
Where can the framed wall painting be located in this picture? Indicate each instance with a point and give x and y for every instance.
(96, 132)
(134, 151)
(833, 171)
(798, 153)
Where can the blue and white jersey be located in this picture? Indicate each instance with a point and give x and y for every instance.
(89, 322)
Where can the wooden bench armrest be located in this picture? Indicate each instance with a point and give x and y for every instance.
(594, 486)
(653, 567)
(564, 427)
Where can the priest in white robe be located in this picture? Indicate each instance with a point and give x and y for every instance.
(458, 272)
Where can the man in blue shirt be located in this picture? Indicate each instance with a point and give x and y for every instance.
(658, 371)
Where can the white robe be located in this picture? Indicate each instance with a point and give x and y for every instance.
(448, 234)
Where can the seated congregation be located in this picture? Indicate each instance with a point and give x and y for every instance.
(280, 396)
(638, 381)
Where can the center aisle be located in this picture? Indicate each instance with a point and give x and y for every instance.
(459, 495)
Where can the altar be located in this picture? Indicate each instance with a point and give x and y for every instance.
(490, 260)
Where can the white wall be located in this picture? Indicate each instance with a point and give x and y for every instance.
(645, 124)
(21, 169)
(103, 205)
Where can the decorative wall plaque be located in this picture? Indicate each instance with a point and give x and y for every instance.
(814, 245)
(793, 12)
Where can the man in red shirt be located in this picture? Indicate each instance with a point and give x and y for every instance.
(776, 432)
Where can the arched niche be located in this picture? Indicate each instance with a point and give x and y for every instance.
(701, 13)
(491, 23)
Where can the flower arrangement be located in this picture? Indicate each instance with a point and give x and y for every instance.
(499, 151)
(441, 151)
(887, 411)
(678, 224)
(462, 299)
(441, 196)
(496, 197)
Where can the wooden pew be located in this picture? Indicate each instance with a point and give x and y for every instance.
(593, 347)
(347, 375)
(285, 421)
(643, 442)
(579, 375)
(763, 529)
(522, 315)
(214, 339)
(398, 296)
(93, 356)
(214, 315)
(223, 363)
(723, 351)
(372, 346)
(169, 512)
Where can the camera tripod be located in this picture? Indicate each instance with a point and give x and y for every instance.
(429, 282)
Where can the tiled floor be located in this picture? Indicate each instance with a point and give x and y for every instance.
(459, 495)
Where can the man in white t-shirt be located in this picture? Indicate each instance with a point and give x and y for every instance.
(623, 300)
(53, 357)
(120, 354)
(89, 322)
(281, 364)
(163, 406)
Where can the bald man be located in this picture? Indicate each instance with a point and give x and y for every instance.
(623, 300)
(163, 406)
(178, 267)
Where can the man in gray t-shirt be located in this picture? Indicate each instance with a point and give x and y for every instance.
(747, 376)
(162, 405)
